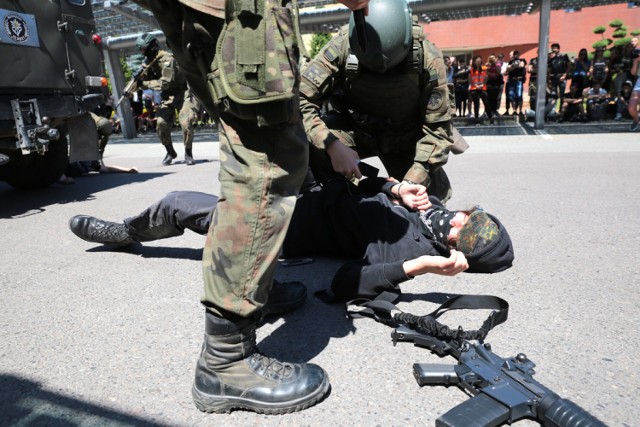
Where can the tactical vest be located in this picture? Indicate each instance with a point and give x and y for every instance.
(395, 94)
(254, 74)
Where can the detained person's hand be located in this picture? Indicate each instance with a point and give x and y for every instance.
(456, 263)
(413, 196)
(357, 4)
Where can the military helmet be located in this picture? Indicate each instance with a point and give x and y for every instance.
(148, 44)
(387, 34)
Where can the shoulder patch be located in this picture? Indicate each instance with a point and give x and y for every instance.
(435, 101)
(315, 73)
(331, 53)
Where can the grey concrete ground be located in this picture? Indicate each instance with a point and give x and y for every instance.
(97, 337)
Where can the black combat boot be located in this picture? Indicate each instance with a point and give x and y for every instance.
(98, 231)
(232, 374)
(188, 157)
(171, 154)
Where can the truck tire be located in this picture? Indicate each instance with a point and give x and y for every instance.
(28, 172)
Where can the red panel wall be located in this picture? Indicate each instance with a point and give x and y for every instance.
(496, 34)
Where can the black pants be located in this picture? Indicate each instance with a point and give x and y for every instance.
(493, 93)
(170, 216)
(476, 96)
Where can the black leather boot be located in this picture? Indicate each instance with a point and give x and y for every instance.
(96, 230)
(171, 154)
(232, 374)
(188, 157)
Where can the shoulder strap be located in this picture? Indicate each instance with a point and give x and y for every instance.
(384, 311)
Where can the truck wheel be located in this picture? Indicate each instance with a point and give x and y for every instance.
(32, 171)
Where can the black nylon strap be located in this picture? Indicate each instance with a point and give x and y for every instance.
(384, 311)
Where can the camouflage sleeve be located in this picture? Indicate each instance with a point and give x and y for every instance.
(319, 77)
(432, 150)
(164, 78)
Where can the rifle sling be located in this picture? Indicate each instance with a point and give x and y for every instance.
(383, 310)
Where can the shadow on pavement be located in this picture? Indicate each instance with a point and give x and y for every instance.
(307, 331)
(25, 402)
(19, 203)
(146, 251)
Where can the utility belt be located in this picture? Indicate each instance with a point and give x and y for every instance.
(254, 73)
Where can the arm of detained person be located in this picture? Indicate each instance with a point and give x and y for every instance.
(414, 197)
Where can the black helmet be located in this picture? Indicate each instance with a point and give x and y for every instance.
(387, 34)
(148, 44)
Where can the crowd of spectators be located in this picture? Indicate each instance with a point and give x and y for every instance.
(592, 86)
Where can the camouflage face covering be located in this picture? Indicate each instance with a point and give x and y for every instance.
(478, 232)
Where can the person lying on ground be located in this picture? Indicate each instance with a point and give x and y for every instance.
(89, 167)
(370, 222)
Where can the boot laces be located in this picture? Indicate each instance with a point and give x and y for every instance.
(270, 367)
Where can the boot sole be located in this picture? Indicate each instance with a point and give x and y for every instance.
(221, 405)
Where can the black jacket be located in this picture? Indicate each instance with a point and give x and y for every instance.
(347, 221)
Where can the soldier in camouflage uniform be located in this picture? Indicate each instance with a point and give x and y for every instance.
(387, 98)
(105, 129)
(187, 118)
(252, 85)
(164, 75)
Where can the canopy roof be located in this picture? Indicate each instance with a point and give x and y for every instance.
(120, 17)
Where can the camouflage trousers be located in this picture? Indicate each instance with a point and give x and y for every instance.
(261, 170)
(166, 116)
(187, 118)
(105, 129)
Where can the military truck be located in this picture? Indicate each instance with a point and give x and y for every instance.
(51, 77)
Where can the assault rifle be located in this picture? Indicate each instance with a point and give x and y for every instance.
(132, 86)
(503, 389)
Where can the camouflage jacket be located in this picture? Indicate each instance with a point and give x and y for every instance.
(164, 75)
(419, 117)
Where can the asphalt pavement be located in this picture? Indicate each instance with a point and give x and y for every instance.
(94, 337)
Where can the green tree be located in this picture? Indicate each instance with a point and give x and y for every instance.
(619, 32)
(318, 41)
(126, 70)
